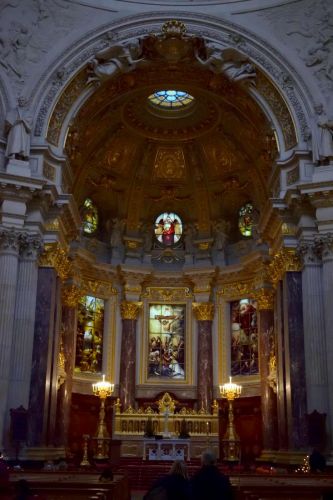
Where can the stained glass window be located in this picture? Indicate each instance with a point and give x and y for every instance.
(168, 228)
(244, 337)
(171, 98)
(245, 219)
(89, 216)
(89, 338)
(166, 340)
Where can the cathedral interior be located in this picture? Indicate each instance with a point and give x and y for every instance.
(166, 223)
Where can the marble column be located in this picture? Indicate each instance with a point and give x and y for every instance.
(129, 314)
(66, 363)
(9, 252)
(327, 259)
(43, 398)
(268, 374)
(24, 321)
(295, 361)
(314, 329)
(204, 313)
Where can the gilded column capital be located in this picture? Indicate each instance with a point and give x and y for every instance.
(265, 299)
(54, 256)
(130, 310)
(283, 261)
(71, 295)
(204, 311)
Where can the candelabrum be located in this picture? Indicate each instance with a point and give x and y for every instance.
(102, 389)
(231, 441)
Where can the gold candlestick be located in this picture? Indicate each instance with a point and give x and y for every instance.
(102, 389)
(231, 441)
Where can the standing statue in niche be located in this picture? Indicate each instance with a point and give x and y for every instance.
(18, 124)
(147, 234)
(116, 240)
(322, 136)
(189, 236)
(114, 60)
(220, 229)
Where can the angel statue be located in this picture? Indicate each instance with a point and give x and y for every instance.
(113, 60)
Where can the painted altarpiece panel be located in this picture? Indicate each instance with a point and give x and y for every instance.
(166, 342)
(89, 339)
(244, 337)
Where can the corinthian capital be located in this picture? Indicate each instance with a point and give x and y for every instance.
(130, 310)
(204, 311)
(309, 252)
(30, 246)
(9, 240)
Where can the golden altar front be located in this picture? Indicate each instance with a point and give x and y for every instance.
(170, 421)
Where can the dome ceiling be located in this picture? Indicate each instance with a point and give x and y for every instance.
(203, 162)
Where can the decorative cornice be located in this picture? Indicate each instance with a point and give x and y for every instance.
(55, 256)
(166, 294)
(237, 289)
(130, 310)
(204, 311)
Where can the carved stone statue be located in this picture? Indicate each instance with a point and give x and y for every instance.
(116, 240)
(227, 61)
(113, 60)
(220, 234)
(189, 236)
(322, 136)
(18, 124)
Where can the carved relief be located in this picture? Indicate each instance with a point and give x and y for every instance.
(130, 310)
(279, 108)
(55, 256)
(161, 294)
(204, 311)
(169, 163)
(293, 176)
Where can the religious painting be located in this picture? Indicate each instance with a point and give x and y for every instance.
(89, 214)
(245, 219)
(89, 338)
(168, 228)
(244, 337)
(166, 340)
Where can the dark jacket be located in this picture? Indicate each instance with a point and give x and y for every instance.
(210, 483)
(170, 487)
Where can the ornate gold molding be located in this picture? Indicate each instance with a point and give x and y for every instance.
(283, 261)
(55, 256)
(72, 294)
(237, 290)
(163, 294)
(265, 299)
(130, 310)
(204, 311)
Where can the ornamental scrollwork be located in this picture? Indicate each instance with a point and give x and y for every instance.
(285, 260)
(55, 256)
(162, 294)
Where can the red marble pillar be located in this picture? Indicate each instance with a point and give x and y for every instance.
(129, 314)
(70, 296)
(204, 313)
(268, 370)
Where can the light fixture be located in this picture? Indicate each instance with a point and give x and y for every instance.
(231, 441)
(102, 389)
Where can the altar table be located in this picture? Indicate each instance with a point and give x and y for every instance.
(166, 449)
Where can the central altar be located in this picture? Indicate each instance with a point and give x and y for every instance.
(169, 432)
(166, 449)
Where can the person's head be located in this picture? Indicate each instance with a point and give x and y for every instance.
(179, 468)
(208, 458)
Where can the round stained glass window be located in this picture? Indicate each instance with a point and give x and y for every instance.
(245, 219)
(168, 228)
(171, 99)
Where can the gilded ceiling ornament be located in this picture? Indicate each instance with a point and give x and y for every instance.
(169, 163)
(130, 310)
(204, 311)
(100, 288)
(167, 294)
(55, 256)
(283, 261)
(279, 108)
(67, 99)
